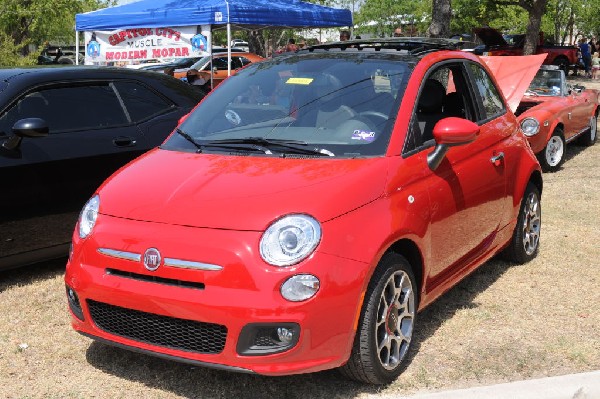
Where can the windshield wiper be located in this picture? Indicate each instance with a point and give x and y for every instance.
(189, 138)
(531, 93)
(296, 146)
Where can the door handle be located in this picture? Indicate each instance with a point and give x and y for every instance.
(124, 141)
(497, 159)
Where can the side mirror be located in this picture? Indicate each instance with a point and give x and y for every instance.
(215, 69)
(31, 127)
(450, 132)
(28, 127)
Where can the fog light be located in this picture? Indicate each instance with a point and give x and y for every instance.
(300, 287)
(74, 304)
(259, 339)
(285, 335)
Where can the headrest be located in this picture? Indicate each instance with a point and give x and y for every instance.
(432, 96)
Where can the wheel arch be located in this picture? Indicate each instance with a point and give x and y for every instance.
(410, 250)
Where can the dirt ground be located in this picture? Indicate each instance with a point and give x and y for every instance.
(503, 323)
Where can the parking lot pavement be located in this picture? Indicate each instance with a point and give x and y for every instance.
(573, 386)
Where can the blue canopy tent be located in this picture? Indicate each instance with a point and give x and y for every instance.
(251, 14)
(246, 14)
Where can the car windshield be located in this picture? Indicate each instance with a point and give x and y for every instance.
(546, 83)
(333, 104)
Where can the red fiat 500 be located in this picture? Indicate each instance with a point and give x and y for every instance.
(307, 209)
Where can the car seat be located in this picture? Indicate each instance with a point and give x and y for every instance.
(454, 105)
(323, 103)
(430, 107)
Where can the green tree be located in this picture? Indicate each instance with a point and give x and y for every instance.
(30, 23)
(380, 17)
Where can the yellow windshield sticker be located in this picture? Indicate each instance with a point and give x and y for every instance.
(299, 81)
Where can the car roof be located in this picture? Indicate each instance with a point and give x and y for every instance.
(415, 46)
(46, 74)
(60, 72)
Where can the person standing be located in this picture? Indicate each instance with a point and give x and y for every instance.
(344, 35)
(398, 32)
(586, 55)
(291, 45)
(595, 65)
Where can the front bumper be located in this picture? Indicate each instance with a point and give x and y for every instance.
(210, 305)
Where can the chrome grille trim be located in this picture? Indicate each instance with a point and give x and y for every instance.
(188, 264)
(172, 262)
(120, 254)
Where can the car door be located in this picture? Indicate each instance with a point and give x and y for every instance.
(579, 109)
(46, 180)
(467, 190)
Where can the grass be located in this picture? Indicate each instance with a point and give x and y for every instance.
(503, 323)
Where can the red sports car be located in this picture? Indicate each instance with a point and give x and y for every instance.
(553, 114)
(300, 217)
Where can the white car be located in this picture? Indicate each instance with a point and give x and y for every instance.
(240, 44)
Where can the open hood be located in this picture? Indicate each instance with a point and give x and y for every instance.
(490, 36)
(514, 74)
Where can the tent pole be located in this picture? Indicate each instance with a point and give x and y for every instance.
(76, 47)
(228, 49)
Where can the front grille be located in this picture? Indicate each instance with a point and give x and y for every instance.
(168, 332)
(155, 279)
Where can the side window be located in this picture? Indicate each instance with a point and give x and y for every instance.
(490, 97)
(245, 61)
(444, 93)
(236, 63)
(220, 64)
(70, 108)
(140, 101)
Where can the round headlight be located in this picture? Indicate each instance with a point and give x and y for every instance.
(530, 126)
(290, 239)
(88, 216)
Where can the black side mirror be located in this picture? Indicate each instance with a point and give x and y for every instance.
(28, 127)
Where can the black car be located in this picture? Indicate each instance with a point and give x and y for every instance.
(63, 131)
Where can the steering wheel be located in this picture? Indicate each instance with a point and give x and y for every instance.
(374, 113)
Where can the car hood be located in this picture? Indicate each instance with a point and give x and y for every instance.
(490, 36)
(514, 74)
(238, 192)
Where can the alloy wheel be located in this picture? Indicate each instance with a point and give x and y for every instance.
(532, 224)
(395, 318)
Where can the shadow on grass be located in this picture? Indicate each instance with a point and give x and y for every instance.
(188, 381)
(573, 150)
(30, 274)
(198, 382)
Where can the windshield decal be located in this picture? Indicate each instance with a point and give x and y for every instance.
(363, 135)
(299, 81)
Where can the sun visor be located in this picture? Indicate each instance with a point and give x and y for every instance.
(514, 74)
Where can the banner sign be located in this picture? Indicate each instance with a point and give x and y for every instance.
(130, 46)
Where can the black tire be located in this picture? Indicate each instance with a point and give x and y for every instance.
(562, 63)
(525, 241)
(589, 138)
(387, 321)
(553, 155)
(66, 61)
